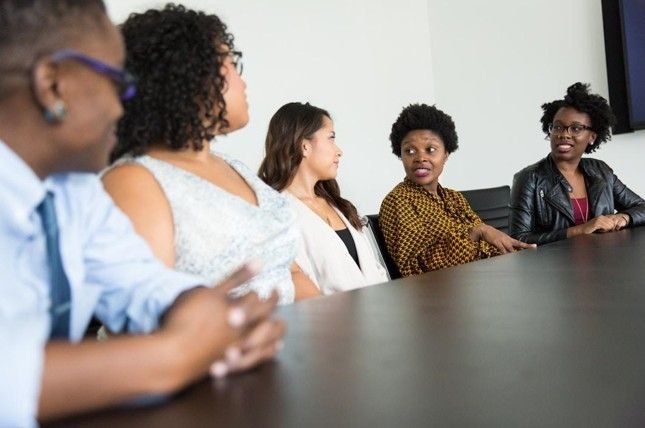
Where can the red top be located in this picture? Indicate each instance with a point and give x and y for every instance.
(580, 210)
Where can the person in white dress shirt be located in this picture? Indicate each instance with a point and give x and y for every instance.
(201, 211)
(301, 161)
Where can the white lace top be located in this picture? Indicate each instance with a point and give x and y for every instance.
(216, 231)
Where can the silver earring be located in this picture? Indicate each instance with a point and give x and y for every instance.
(57, 113)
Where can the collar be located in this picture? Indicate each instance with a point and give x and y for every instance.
(587, 170)
(21, 190)
(419, 188)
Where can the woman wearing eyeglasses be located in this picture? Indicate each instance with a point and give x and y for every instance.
(564, 194)
(201, 211)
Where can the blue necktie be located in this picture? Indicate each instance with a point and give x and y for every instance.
(59, 290)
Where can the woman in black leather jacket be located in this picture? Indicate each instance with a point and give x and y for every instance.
(564, 195)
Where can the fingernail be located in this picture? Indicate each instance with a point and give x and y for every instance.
(219, 369)
(233, 355)
(254, 266)
(236, 317)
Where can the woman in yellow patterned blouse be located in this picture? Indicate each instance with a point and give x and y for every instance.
(426, 226)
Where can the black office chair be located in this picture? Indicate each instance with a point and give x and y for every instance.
(491, 205)
(380, 240)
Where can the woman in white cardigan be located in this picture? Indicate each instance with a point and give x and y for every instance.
(302, 162)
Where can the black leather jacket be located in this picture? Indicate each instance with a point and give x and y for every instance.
(541, 208)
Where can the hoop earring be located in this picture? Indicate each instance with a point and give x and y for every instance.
(57, 113)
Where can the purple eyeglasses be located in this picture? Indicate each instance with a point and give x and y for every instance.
(124, 80)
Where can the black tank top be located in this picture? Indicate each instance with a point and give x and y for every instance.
(346, 236)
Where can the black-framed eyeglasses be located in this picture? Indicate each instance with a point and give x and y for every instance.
(125, 81)
(236, 60)
(573, 129)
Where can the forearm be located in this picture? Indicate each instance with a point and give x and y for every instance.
(304, 287)
(526, 233)
(90, 375)
(477, 232)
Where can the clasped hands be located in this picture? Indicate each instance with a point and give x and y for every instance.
(220, 334)
(606, 223)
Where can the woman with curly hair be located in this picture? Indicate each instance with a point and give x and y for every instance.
(427, 226)
(201, 211)
(302, 161)
(564, 194)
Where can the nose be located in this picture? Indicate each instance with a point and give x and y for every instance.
(420, 157)
(565, 135)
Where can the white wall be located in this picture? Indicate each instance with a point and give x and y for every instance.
(496, 62)
(361, 60)
(488, 64)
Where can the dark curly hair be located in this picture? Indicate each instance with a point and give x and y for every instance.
(30, 29)
(423, 116)
(176, 55)
(292, 123)
(579, 98)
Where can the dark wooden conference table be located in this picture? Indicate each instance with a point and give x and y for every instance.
(546, 337)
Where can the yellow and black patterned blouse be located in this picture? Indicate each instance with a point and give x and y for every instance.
(426, 231)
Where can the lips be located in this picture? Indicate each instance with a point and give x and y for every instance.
(563, 146)
(421, 172)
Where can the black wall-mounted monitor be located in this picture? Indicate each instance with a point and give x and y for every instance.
(624, 29)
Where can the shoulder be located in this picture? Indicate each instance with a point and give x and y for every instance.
(393, 199)
(80, 191)
(86, 204)
(400, 192)
(234, 163)
(596, 165)
(134, 184)
(129, 177)
(455, 197)
(532, 170)
(76, 182)
(452, 194)
(530, 175)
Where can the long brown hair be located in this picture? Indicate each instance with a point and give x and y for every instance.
(292, 123)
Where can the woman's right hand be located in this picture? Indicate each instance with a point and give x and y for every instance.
(498, 239)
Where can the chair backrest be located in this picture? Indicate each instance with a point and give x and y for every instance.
(380, 240)
(491, 205)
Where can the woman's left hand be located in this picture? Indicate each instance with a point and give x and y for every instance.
(621, 220)
(498, 239)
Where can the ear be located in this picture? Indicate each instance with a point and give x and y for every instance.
(592, 140)
(306, 147)
(44, 81)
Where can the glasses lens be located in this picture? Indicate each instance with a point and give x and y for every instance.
(237, 61)
(576, 129)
